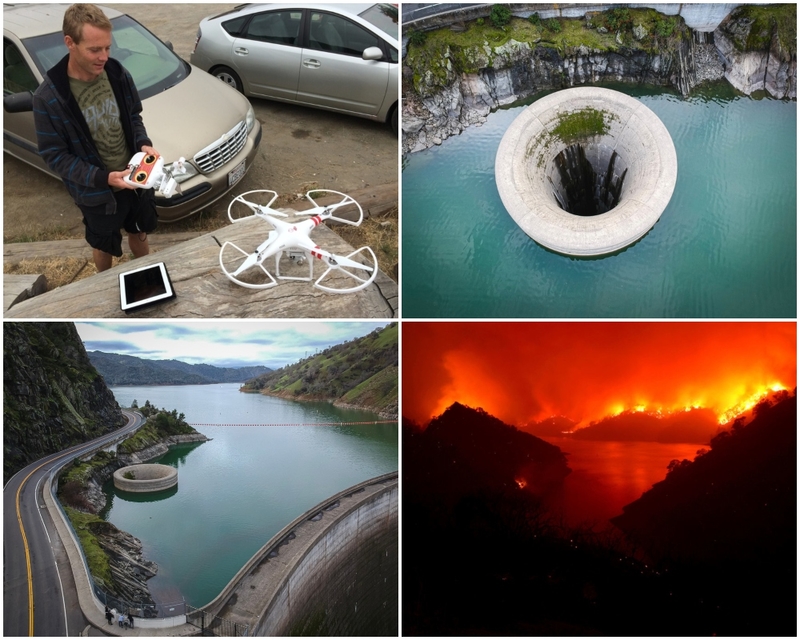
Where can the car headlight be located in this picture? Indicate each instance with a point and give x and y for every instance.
(250, 118)
(191, 172)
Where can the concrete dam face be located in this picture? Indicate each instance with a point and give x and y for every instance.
(586, 171)
(332, 571)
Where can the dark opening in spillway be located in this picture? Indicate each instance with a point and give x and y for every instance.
(586, 190)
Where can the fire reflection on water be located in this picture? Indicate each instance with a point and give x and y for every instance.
(608, 475)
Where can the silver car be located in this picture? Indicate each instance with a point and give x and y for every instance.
(338, 57)
(218, 137)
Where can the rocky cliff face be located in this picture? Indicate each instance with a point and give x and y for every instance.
(129, 570)
(53, 397)
(449, 88)
(759, 54)
(518, 70)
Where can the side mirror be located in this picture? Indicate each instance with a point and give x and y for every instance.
(18, 102)
(169, 45)
(372, 53)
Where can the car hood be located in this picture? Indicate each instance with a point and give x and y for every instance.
(191, 115)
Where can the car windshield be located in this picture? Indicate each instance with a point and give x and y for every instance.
(383, 16)
(151, 64)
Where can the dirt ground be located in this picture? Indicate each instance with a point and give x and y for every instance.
(301, 149)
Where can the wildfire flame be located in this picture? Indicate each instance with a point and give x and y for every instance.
(749, 402)
(528, 372)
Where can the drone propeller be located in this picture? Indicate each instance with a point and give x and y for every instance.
(254, 278)
(327, 211)
(346, 266)
(259, 210)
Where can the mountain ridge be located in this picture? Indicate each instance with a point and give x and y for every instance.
(124, 370)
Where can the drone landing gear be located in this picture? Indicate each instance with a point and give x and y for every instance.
(344, 274)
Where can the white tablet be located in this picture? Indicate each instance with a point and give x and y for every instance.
(144, 286)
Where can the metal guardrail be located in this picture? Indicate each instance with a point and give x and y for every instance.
(211, 625)
(138, 609)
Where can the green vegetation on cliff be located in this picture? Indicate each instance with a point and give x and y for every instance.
(160, 425)
(436, 57)
(379, 390)
(755, 26)
(98, 560)
(360, 372)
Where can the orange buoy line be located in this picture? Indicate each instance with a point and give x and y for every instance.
(289, 424)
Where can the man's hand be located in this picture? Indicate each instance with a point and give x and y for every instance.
(115, 180)
(149, 150)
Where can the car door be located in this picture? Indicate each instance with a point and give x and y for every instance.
(333, 74)
(19, 132)
(266, 55)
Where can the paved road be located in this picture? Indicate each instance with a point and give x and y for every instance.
(41, 575)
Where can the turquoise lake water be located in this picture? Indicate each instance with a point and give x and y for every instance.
(238, 490)
(724, 247)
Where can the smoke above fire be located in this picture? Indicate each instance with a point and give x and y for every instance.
(524, 372)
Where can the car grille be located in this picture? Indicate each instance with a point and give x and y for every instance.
(221, 151)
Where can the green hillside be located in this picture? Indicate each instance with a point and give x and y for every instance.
(360, 373)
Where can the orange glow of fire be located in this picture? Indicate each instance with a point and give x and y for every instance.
(726, 411)
(749, 402)
(521, 482)
(527, 372)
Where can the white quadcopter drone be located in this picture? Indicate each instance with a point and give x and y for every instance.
(147, 171)
(246, 268)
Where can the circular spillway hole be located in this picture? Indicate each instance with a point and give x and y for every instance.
(586, 171)
(583, 188)
(144, 478)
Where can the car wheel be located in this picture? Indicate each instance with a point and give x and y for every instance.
(229, 77)
(393, 120)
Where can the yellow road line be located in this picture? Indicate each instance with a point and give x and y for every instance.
(25, 538)
(25, 545)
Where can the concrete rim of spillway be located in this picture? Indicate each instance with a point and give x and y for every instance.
(145, 478)
(527, 153)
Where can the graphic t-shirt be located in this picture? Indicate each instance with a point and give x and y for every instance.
(101, 112)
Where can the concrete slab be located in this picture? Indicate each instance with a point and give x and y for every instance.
(203, 291)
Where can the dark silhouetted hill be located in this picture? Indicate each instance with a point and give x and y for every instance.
(465, 449)
(737, 502)
(483, 558)
(556, 426)
(121, 370)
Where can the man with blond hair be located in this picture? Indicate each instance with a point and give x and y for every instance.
(88, 125)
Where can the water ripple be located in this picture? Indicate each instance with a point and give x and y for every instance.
(725, 245)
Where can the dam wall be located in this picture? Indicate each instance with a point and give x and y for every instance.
(332, 571)
(699, 17)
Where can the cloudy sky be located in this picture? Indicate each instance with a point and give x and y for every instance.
(222, 344)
